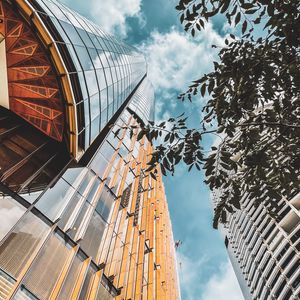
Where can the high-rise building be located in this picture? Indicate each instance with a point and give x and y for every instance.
(265, 250)
(79, 216)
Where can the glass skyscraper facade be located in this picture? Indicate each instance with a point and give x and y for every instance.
(80, 218)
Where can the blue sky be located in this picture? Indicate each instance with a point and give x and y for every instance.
(174, 60)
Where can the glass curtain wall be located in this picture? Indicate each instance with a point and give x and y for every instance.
(98, 230)
(103, 71)
(107, 222)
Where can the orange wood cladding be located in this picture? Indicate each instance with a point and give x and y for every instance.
(34, 92)
(140, 258)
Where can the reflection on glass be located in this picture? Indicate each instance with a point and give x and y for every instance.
(84, 294)
(101, 78)
(85, 182)
(95, 107)
(21, 243)
(71, 33)
(105, 203)
(107, 150)
(83, 57)
(93, 190)
(81, 219)
(99, 164)
(46, 269)
(70, 280)
(95, 128)
(55, 199)
(69, 210)
(24, 294)
(10, 212)
(93, 235)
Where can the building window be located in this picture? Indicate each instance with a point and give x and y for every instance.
(10, 212)
(24, 294)
(46, 269)
(21, 243)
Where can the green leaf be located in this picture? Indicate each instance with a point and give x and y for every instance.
(226, 166)
(211, 86)
(181, 18)
(236, 203)
(225, 6)
(172, 138)
(193, 32)
(244, 27)
(250, 12)
(152, 175)
(163, 170)
(180, 6)
(167, 137)
(247, 5)
(223, 216)
(237, 18)
(202, 23)
(203, 89)
(140, 135)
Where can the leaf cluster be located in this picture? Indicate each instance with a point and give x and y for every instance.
(253, 105)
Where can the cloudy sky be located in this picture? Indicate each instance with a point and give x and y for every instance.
(174, 60)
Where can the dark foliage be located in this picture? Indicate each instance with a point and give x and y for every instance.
(253, 104)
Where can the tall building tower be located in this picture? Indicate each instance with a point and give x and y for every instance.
(265, 251)
(79, 216)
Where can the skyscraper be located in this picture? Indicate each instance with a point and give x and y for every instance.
(264, 250)
(79, 216)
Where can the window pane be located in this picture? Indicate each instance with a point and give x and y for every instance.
(10, 212)
(87, 179)
(71, 33)
(107, 150)
(46, 269)
(53, 202)
(99, 164)
(24, 294)
(95, 106)
(85, 38)
(70, 281)
(101, 78)
(105, 203)
(95, 128)
(84, 58)
(69, 210)
(21, 243)
(81, 220)
(93, 235)
(84, 294)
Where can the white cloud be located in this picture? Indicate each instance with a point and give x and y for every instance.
(111, 15)
(223, 285)
(174, 58)
(189, 271)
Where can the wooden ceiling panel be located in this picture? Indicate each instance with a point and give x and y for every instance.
(34, 92)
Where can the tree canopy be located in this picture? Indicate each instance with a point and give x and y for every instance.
(253, 104)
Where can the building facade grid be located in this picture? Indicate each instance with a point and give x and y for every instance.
(98, 228)
(264, 249)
